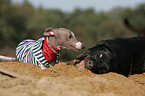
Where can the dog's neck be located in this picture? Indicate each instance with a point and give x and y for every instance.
(52, 46)
(52, 41)
(49, 51)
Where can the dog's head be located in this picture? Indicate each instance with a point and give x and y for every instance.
(63, 38)
(97, 58)
(99, 61)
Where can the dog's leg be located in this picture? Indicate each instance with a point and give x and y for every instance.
(4, 58)
(42, 66)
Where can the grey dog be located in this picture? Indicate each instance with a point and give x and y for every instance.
(37, 52)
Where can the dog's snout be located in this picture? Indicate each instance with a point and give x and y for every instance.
(90, 64)
(79, 45)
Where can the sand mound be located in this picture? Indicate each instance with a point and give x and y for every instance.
(23, 79)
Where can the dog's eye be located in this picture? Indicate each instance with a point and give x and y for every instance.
(101, 55)
(70, 36)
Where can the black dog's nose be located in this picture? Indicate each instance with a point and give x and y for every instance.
(82, 46)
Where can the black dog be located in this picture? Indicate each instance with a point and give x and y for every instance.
(121, 55)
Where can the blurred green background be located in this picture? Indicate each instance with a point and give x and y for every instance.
(24, 21)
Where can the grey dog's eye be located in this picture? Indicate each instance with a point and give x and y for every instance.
(69, 36)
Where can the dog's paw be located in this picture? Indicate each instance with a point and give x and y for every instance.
(81, 64)
(43, 67)
(77, 63)
(70, 62)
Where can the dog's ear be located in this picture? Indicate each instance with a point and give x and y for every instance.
(49, 31)
(107, 47)
(78, 59)
(99, 44)
(83, 55)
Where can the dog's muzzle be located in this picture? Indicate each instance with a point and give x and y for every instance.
(79, 45)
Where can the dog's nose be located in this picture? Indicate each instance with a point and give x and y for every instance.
(79, 45)
(82, 46)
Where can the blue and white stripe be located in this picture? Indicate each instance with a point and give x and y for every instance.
(30, 51)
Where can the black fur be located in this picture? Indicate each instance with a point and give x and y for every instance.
(121, 55)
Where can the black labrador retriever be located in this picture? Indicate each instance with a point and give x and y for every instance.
(121, 55)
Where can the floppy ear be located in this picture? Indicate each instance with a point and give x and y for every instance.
(78, 59)
(83, 55)
(49, 31)
(99, 44)
(107, 47)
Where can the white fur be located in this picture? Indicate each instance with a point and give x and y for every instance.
(51, 33)
(73, 36)
(78, 45)
(48, 33)
(42, 66)
(7, 58)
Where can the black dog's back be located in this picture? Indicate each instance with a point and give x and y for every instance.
(129, 54)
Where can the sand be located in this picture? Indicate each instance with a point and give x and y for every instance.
(24, 79)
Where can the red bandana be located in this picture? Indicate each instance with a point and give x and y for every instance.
(47, 51)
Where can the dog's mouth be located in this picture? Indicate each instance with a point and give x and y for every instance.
(68, 48)
(103, 68)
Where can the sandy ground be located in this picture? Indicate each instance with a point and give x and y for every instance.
(23, 79)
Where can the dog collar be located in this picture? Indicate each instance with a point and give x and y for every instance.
(49, 51)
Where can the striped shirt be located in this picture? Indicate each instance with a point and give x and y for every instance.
(30, 51)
